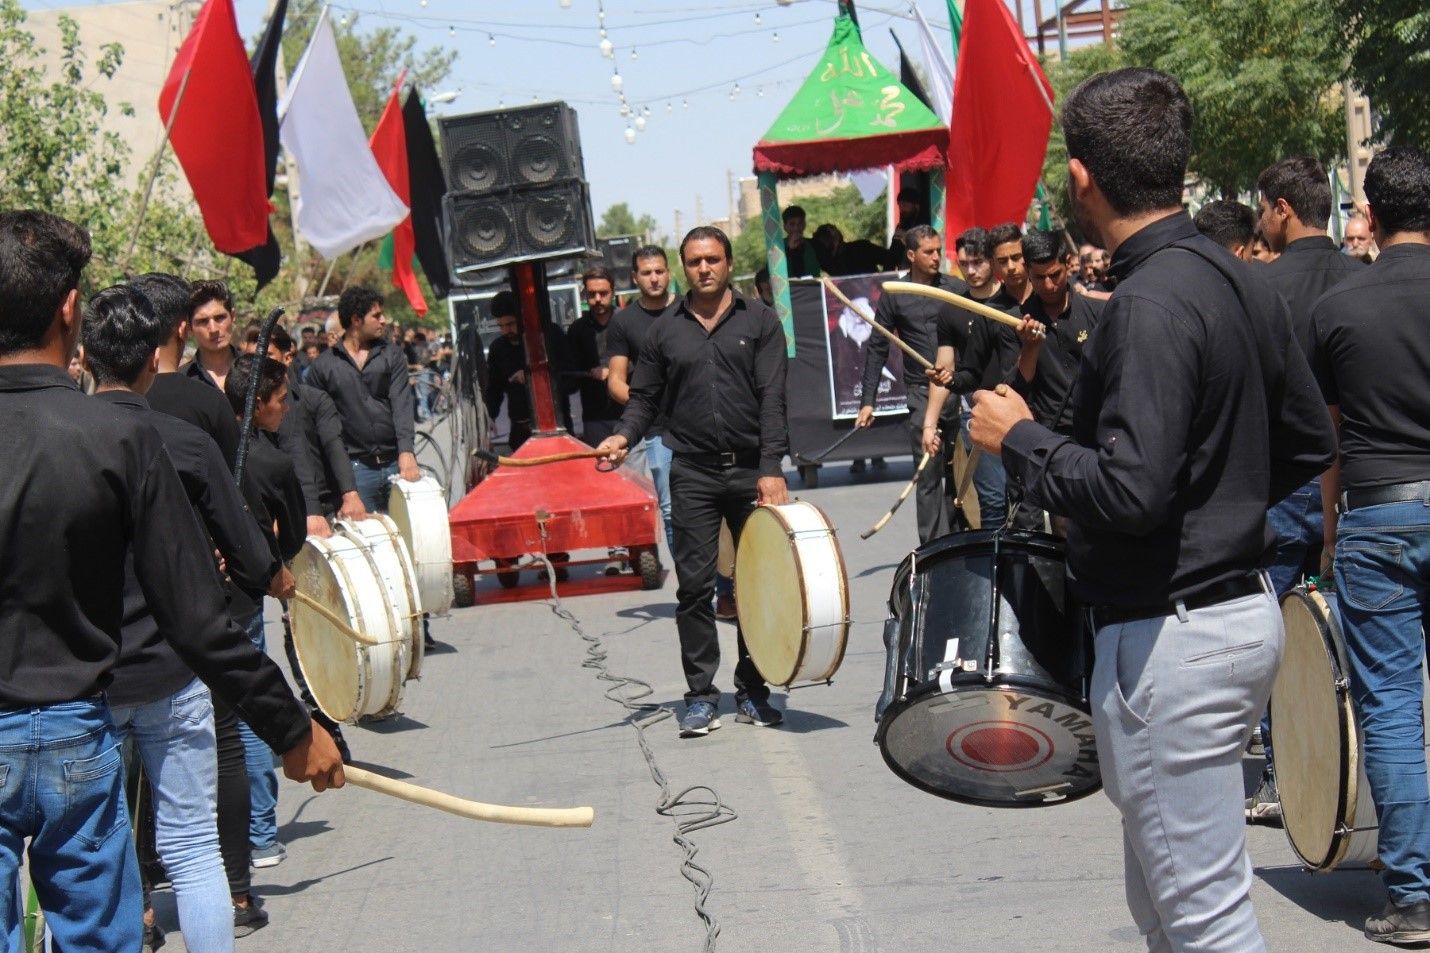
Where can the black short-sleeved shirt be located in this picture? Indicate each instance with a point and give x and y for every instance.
(587, 343)
(1372, 359)
(1049, 391)
(1307, 269)
(625, 336)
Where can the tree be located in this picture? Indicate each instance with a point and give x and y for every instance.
(843, 208)
(1263, 77)
(1389, 43)
(1065, 75)
(620, 220)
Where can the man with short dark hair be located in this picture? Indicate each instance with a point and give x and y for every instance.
(715, 367)
(838, 257)
(1370, 354)
(800, 256)
(1008, 264)
(507, 371)
(1194, 411)
(586, 344)
(975, 262)
(1230, 224)
(211, 320)
(366, 377)
(88, 489)
(913, 319)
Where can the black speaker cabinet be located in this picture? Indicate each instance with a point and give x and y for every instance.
(496, 228)
(616, 253)
(511, 148)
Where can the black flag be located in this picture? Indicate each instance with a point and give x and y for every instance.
(264, 259)
(910, 77)
(426, 186)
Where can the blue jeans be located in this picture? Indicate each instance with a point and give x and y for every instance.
(989, 480)
(62, 785)
(657, 462)
(175, 737)
(1382, 569)
(258, 757)
(1297, 522)
(374, 484)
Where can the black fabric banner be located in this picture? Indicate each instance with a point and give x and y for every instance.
(427, 186)
(265, 259)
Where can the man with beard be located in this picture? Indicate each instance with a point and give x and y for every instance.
(1194, 411)
(586, 342)
(507, 379)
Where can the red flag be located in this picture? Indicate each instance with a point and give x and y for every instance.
(1002, 115)
(211, 109)
(389, 145)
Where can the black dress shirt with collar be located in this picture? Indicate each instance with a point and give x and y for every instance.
(1048, 393)
(375, 403)
(719, 391)
(1194, 412)
(984, 351)
(200, 403)
(90, 487)
(915, 320)
(1307, 269)
(328, 463)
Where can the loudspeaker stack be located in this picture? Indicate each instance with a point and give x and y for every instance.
(518, 189)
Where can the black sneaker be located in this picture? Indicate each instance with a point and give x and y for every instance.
(699, 719)
(248, 918)
(153, 938)
(1394, 924)
(759, 713)
(1264, 807)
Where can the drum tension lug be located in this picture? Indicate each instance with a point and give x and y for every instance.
(1343, 685)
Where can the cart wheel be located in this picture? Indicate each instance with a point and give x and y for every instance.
(809, 476)
(462, 596)
(648, 565)
(509, 578)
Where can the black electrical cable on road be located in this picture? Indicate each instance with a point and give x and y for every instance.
(690, 814)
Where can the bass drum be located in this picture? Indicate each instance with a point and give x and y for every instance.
(792, 593)
(985, 689)
(389, 555)
(420, 511)
(1326, 804)
(348, 680)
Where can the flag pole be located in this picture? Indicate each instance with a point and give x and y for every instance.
(154, 172)
(324, 286)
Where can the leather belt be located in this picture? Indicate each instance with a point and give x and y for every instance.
(725, 460)
(375, 459)
(1207, 596)
(1393, 493)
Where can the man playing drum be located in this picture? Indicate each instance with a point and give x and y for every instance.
(1190, 383)
(715, 367)
(1370, 353)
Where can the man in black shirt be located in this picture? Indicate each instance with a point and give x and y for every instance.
(800, 256)
(838, 257)
(507, 370)
(1009, 265)
(913, 318)
(586, 344)
(1194, 412)
(1230, 224)
(366, 377)
(1371, 353)
(89, 487)
(715, 367)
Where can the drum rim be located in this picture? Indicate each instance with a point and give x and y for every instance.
(323, 546)
(900, 705)
(416, 641)
(844, 600)
(942, 548)
(393, 702)
(1341, 834)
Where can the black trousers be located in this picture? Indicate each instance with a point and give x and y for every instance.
(932, 497)
(700, 496)
(233, 806)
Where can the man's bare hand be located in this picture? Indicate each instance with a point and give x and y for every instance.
(1030, 332)
(933, 443)
(865, 418)
(599, 373)
(995, 412)
(283, 585)
(613, 449)
(518, 378)
(318, 526)
(352, 508)
(940, 375)
(771, 490)
(407, 467)
(315, 759)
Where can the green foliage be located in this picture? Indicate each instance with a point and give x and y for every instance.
(620, 220)
(854, 217)
(1389, 43)
(1065, 75)
(1262, 76)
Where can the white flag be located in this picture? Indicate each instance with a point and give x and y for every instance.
(940, 73)
(343, 197)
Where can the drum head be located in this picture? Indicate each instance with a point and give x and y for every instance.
(419, 511)
(328, 657)
(394, 569)
(1314, 733)
(770, 596)
(993, 746)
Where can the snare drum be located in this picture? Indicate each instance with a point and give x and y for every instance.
(792, 593)
(420, 511)
(389, 555)
(1326, 804)
(348, 680)
(985, 690)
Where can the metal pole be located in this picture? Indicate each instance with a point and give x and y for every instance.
(154, 164)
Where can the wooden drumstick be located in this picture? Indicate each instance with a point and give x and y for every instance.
(500, 461)
(342, 624)
(476, 810)
(869, 319)
(884, 521)
(958, 301)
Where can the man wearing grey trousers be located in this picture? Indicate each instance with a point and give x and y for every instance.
(1194, 412)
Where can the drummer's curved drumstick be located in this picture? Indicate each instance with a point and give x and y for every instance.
(476, 810)
(958, 301)
(342, 624)
(869, 319)
(884, 521)
(501, 461)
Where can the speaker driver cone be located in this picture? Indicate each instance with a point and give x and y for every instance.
(536, 160)
(477, 167)
(548, 221)
(484, 230)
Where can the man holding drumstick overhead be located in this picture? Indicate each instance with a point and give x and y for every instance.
(1195, 410)
(714, 367)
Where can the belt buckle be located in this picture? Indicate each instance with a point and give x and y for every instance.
(726, 459)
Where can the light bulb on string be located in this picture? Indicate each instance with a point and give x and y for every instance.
(775, 36)
(343, 20)
(452, 32)
(736, 90)
(634, 54)
(422, 3)
(630, 135)
(669, 107)
(685, 104)
(758, 21)
(607, 48)
(625, 110)
(491, 40)
(640, 123)
(617, 83)
(565, 4)
(645, 111)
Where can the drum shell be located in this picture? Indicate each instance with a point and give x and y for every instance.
(419, 509)
(394, 568)
(347, 679)
(792, 593)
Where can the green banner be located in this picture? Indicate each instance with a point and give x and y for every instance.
(775, 255)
